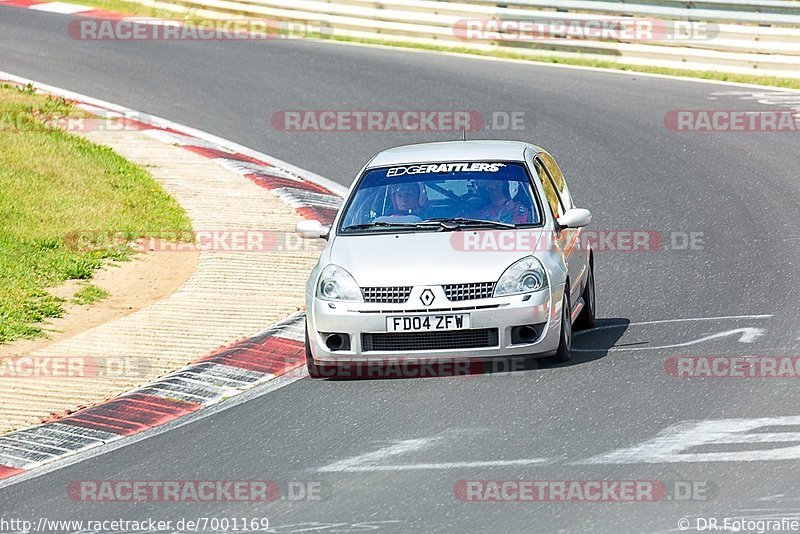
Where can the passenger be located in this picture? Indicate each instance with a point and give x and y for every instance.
(501, 207)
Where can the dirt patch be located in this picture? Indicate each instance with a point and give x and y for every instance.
(230, 296)
(132, 285)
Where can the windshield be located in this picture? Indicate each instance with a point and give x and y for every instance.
(465, 192)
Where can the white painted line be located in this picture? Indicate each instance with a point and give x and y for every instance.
(75, 431)
(679, 442)
(364, 460)
(295, 332)
(13, 461)
(175, 381)
(748, 334)
(31, 444)
(248, 167)
(174, 391)
(44, 435)
(371, 461)
(60, 7)
(24, 458)
(443, 465)
(665, 321)
(303, 196)
(172, 138)
(219, 375)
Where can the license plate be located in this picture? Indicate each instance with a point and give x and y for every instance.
(427, 323)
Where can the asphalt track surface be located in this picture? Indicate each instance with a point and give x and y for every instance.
(607, 131)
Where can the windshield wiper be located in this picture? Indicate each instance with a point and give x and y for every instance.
(461, 222)
(382, 224)
(449, 223)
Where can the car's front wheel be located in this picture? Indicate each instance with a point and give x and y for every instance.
(564, 352)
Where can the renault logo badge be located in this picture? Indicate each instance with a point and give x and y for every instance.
(427, 297)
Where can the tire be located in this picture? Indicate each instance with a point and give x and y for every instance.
(314, 370)
(586, 319)
(564, 352)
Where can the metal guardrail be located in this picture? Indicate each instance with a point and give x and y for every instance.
(774, 12)
(745, 36)
(786, 7)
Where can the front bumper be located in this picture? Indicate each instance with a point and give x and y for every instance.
(502, 314)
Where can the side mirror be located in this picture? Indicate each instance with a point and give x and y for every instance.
(311, 229)
(575, 218)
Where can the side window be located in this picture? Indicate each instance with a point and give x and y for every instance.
(549, 190)
(558, 179)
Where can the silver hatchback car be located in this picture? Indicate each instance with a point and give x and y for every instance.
(454, 250)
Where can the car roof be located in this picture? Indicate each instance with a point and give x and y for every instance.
(477, 150)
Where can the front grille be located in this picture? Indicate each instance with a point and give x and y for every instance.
(479, 290)
(411, 341)
(386, 295)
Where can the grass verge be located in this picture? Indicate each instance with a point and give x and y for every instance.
(55, 186)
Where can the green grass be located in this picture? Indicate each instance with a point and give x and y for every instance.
(89, 294)
(60, 198)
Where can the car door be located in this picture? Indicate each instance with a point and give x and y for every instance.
(569, 239)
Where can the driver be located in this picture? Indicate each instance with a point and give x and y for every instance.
(501, 207)
(407, 203)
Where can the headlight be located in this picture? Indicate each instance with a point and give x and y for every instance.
(525, 276)
(337, 284)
